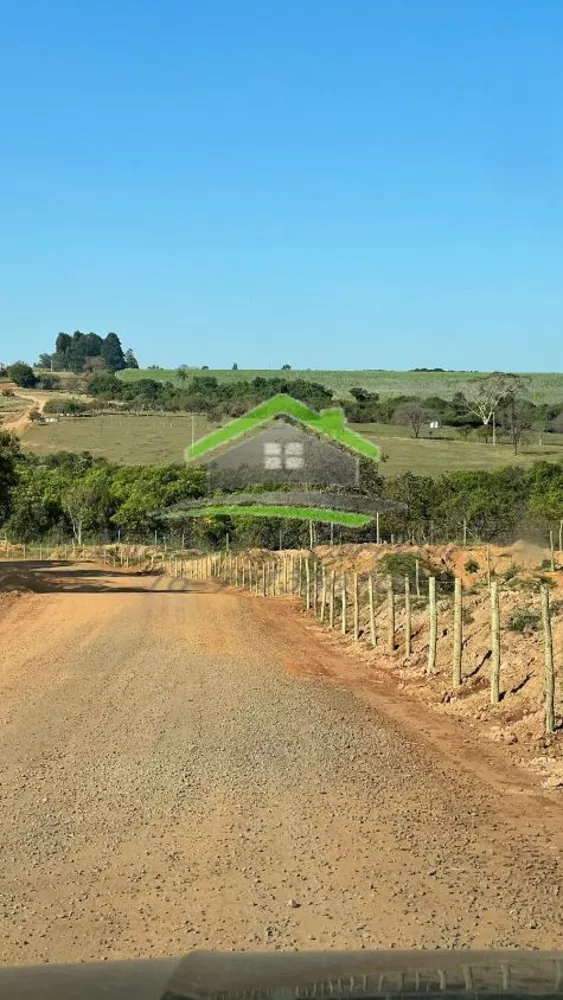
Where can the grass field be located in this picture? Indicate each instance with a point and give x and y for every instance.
(10, 408)
(544, 387)
(11, 404)
(125, 439)
(319, 514)
(161, 439)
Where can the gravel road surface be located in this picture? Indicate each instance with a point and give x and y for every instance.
(182, 766)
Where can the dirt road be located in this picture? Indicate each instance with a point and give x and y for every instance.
(198, 769)
(21, 422)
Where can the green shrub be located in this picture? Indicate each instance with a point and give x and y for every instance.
(530, 584)
(67, 406)
(401, 564)
(523, 620)
(22, 374)
(511, 572)
(472, 566)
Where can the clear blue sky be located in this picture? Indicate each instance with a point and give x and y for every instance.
(328, 183)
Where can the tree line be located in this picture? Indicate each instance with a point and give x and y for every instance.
(205, 394)
(488, 406)
(69, 495)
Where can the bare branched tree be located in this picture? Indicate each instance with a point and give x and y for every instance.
(413, 415)
(516, 418)
(485, 395)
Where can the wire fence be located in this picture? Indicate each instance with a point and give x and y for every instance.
(372, 608)
(400, 617)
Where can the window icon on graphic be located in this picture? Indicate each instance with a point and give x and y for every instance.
(283, 456)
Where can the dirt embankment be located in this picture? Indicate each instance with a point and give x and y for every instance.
(179, 768)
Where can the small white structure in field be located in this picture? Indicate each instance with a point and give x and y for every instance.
(434, 425)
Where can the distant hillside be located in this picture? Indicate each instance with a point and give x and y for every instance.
(544, 388)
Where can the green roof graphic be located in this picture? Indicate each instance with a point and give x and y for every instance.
(329, 423)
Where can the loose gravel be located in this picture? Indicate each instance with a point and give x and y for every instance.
(172, 776)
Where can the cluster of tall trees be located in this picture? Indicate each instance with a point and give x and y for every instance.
(79, 352)
(70, 495)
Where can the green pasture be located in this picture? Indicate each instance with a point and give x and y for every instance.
(317, 514)
(163, 438)
(125, 439)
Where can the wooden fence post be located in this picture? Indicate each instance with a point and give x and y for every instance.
(323, 592)
(343, 601)
(356, 609)
(551, 551)
(417, 576)
(458, 634)
(377, 533)
(300, 581)
(561, 535)
(390, 615)
(433, 625)
(549, 672)
(408, 626)
(371, 611)
(495, 642)
(263, 579)
(488, 557)
(331, 599)
(315, 587)
(307, 584)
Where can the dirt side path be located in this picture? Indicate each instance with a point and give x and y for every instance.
(22, 422)
(176, 767)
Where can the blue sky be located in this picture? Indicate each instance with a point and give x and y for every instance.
(355, 184)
